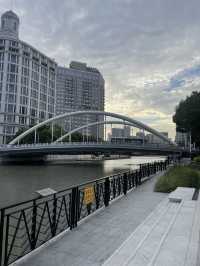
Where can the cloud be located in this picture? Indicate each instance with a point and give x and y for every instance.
(147, 51)
(180, 79)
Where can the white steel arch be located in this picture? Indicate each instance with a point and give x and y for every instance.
(114, 122)
(113, 115)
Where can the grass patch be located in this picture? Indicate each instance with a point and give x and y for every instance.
(178, 176)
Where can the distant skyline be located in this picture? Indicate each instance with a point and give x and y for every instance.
(147, 51)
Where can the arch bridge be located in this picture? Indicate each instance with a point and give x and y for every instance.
(94, 123)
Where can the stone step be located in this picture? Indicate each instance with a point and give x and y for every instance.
(174, 247)
(181, 193)
(193, 253)
(168, 237)
(144, 254)
(137, 238)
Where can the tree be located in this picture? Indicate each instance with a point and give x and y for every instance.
(187, 116)
(44, 134)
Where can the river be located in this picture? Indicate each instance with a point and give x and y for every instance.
(19, 182)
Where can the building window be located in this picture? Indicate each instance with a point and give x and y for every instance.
(33, 112)
(10, 108)
(13, 58)
(9, 118)
(22, 120)
(1, 56)
(23, 110)
(15, 26)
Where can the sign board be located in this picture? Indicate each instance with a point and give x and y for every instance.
(88, 195)
(45, 192)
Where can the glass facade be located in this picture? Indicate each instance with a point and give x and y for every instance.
(80, 88)
(27, 83)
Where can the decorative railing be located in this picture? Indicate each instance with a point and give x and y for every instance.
(26, 226)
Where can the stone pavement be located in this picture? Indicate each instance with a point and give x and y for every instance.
(96, 239)
(168, 237)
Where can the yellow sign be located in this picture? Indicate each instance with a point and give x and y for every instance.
(88, 195)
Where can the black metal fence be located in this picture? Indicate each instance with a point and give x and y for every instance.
(27, 225)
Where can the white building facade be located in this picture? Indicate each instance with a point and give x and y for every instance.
(150, 138)
(27, 81)
(79, 88)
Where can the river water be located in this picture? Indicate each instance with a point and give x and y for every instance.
(19, 182)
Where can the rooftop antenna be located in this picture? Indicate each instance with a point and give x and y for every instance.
(12, 4)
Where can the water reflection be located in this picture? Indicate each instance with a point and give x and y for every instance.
(19, 182)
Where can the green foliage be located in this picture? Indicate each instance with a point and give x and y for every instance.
(187, 116)
(196, 159)
(178, 176)
(43, 134)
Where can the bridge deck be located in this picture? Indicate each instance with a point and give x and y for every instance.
(85, 148)
(93, 242)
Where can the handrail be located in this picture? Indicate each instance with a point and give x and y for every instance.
(63, 210)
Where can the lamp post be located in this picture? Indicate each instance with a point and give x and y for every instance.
(190, 141)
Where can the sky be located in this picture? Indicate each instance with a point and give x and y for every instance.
(147, 51)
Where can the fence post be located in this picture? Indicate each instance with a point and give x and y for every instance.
(33, 226)
(148, 169)
(1, 235)
(97, 196)
(133, 178)
(114, 188)
(54, 215)
(137, 176)
(74, 206)
(119, 184)
(140, 178)
(140, 173)
(107, 191)
(125, 183)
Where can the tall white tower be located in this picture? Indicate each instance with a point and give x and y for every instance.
(10, 25)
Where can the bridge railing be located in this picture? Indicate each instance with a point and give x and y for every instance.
(27, 225)
(60, 144)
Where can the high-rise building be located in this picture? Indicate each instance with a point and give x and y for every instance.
(182, 139)
(27, 81)
(79, 88)
(150, 138)
(124, 132)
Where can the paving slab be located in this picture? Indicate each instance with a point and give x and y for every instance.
(181, 193)
(175, 246)
(95, 240)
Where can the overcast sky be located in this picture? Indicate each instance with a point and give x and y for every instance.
(147, 50)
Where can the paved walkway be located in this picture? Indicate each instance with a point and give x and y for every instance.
(169, 237)
(95, 240)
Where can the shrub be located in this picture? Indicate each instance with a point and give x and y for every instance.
(196, 159)
(178, 176)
